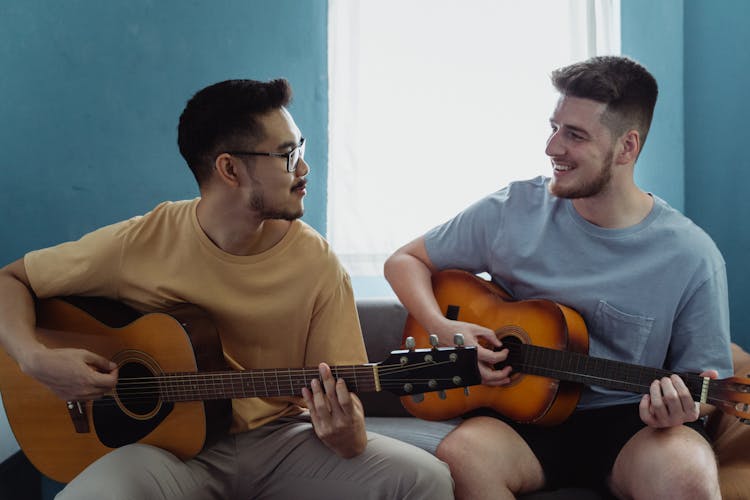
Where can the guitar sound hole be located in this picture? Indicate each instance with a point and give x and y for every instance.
(137, 391)
(511, 343)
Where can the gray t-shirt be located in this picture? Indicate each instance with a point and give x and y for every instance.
(653, 294)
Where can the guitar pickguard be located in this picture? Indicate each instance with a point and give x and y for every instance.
(136, 410)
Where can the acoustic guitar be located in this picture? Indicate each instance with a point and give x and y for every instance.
(547, 344)
(174, 389)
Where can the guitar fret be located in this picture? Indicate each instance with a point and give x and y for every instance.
(581, 368)
(192, 386)
(255, 389)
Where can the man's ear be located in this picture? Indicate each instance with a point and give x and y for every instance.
(630, 147)
(226, 169)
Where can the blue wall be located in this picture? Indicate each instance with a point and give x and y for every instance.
(717, 130)
(91, 93)
(655, 40)
(696, 157)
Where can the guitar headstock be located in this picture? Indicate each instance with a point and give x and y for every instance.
(414, 371)
(732, 396)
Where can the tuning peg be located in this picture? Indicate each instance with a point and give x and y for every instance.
(442, 394)
(417, 398)
(466, 390)
(458, 339)
(410, 343)
(434, 340)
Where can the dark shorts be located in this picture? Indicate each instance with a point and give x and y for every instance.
(581, 451)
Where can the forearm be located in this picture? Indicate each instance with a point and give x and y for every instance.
(411, 280)
(17, 316)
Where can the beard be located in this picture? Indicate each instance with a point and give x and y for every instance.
(258, 204)
(588, 188)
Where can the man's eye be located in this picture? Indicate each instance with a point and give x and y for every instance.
(576, 137)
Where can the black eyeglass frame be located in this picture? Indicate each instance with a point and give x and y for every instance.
(291, 168)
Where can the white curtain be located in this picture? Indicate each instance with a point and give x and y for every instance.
(435, 103)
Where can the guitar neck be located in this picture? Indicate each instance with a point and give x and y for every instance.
(264, 383)
(581, 368)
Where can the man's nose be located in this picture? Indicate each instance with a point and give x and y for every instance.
(554, 145)
(303, 168)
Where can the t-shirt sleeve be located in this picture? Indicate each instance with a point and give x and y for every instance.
(464, 242)
(701, 335)
(87, 266)
(335, 335)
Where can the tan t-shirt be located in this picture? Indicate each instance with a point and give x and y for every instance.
(289, 307)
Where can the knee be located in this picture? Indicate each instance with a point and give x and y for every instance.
(126, 473)
(447, 449)
(431, 479)
(668, 465)
(456, 446)
(411, 472)
(693, 474)
(426, 475)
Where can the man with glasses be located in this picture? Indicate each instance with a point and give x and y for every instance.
(277, 295)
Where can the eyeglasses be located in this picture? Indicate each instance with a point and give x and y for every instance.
(292, 157)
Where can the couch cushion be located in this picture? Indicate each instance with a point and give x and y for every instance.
(382, 322)
(420, 433)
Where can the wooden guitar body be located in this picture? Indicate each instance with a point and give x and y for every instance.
(547, 344)
(529, 398)
(174, 389)
(61, 441)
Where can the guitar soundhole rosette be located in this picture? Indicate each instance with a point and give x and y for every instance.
(137, 391)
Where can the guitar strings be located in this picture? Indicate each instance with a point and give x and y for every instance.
(273, 382)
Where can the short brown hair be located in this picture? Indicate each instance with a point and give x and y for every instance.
(626, 87)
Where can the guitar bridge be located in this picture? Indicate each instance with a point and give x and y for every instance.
(77, 411)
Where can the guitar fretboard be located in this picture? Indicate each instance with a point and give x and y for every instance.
(244, 384)
(581, 368)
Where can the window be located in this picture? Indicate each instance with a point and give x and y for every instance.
(436, 103)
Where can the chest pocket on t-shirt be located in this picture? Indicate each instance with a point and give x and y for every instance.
(620, 336)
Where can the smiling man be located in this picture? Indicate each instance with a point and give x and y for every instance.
(277, 295)
(650, 285)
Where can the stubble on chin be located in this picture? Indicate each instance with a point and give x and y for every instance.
(588, 188)
(257, 204)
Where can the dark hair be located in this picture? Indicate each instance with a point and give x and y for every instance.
(626, 87)
(224, 116)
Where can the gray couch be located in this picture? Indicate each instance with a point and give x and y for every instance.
(382, 323)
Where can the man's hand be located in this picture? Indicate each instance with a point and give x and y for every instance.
(486, 342)
(337, 415)
(669, 402)
(72, 374)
